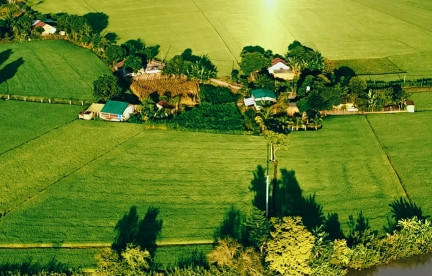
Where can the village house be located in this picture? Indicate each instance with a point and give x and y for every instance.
(116, 111)
(47, 29)
(280, 69)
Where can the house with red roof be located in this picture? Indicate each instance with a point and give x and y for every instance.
(280, 69)
(47, 29)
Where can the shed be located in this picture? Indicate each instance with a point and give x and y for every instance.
(260, 95)
(410, 106)
(91, 111)
(116, 111)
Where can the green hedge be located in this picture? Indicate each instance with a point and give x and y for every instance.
(220, 117)
(215, 95)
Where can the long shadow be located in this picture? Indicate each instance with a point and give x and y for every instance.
(258, 186)
(126, 230)
(5, 55)
(98, 21)
(289, 201)
(149, 230)
(232, 226)
(144, 233)
(403, 209)
(10, 69)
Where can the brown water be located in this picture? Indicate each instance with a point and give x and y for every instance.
(417, 265)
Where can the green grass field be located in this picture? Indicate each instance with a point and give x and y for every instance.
(345, 166)
(422, 100)
(339, 29)
(21, 126)
(406, 139)
(74, 182)
(51, 69)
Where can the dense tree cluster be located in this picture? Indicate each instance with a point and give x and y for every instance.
(193, 67)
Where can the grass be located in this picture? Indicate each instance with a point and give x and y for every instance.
(344, 165)
(406, 139)
(72, 184)
(18, 125)
(422, 100)
(357, 29)
(51, 69)
(371, 66)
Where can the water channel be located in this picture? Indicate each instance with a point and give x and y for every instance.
(417, 265)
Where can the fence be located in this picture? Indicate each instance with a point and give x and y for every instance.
(38, 99)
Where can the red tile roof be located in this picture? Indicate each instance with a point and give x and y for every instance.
(276, 60)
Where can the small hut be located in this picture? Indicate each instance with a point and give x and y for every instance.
(410, 106)
(91, 112)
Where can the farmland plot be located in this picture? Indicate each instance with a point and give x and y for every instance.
(345, 166)
(19, 125)
(50, 69)
(406, 139)
(339, 29)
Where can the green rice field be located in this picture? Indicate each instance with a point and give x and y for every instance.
(50, 69)
(71, 183)
(340, 29)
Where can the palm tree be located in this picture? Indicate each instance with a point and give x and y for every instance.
(316, 120)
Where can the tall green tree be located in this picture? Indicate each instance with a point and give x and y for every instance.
(106, 87)
(252, 62)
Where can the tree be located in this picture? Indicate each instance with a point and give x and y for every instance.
(131, 261)
(134, 47)
(133, 63)
(231, 255)
(106, 87)
(302, 57)
(114, 54)
(357, 86)
(253, 61)
(202, 69)
(258, 228)
(289, 249)
(176, 66)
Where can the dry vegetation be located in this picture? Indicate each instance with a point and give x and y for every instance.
(181, 90)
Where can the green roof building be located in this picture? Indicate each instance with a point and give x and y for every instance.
(116, 111)
(263, 95)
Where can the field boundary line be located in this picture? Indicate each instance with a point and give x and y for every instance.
(93, 245)
(29, 198)
(214, 28)
(388, 159)
(37, 137)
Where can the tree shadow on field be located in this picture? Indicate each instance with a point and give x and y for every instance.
(5, 55)
(258, 186)
(289, 201)
(10, 69)
(97, 20)
(144, 233)
(232, 226)
(149, 230)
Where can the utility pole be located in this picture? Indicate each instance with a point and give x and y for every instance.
(267, 181)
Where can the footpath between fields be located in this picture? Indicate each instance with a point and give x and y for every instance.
(93, 245)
